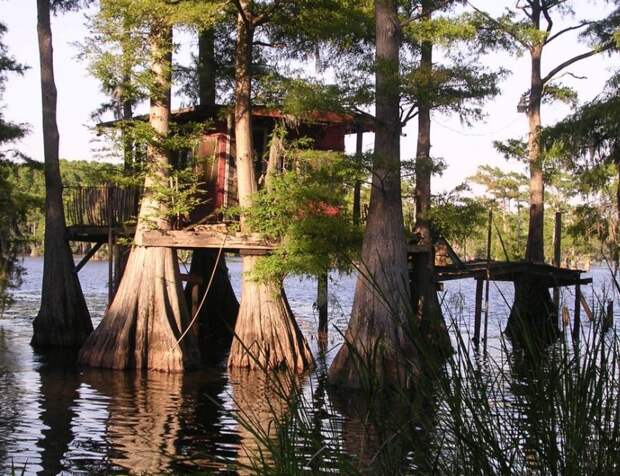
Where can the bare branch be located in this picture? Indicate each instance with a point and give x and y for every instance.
(411, 113)
(566, 30)
(545, 12)
(575, 59)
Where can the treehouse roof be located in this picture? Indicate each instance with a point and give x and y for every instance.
(349, 123)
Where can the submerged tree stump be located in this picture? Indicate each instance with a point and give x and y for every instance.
(147, 316)
(266, 334)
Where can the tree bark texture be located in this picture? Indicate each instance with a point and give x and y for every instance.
(148, 314)
(426, 304)
(266, 334)
(206, 67)
(378, 339)
(63, 319)
(535, 250)
(532, 319)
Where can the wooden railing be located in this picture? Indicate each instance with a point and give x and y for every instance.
(100, 206)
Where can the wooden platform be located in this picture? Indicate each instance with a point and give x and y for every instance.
(208, 237)
(97, 233)
(203, 236)
(217, 236)
(510, 271)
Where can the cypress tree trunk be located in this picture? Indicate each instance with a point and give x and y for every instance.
(218, 315)
(532, 318)
(379, 334)
(148, 314)
(423, 287)
(266, 334)
(63, 319)
(206, 67)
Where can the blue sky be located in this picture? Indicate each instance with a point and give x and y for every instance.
(462, 148)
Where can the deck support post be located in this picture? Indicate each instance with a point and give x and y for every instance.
(577, 317)
(608, 322)
(557, 257)
(109, 206)
(486, 293)
(357, 208)
(321, 304)
(478, 312)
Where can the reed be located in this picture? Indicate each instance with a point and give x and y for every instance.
(527, 411)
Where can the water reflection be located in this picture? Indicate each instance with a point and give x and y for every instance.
(57, 418)
(143, 420)
(58, 394)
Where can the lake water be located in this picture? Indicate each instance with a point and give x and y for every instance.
(55, 418)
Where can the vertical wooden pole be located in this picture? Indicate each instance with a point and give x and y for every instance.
(486, 292)
(557, 257)
(609, 316)
(321, 304)
(478, 312)
(357, 190)
(577, 318)
(110, 245)
(116, 252)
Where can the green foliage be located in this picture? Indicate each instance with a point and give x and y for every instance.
(11, 210)
(458, 217)
(305, 210)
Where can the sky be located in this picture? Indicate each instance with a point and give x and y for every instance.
(462, 148)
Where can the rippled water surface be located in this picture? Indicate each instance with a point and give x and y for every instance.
(55, 418)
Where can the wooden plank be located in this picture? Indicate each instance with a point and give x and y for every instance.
(202, 239)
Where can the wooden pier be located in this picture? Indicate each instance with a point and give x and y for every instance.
(107, 215)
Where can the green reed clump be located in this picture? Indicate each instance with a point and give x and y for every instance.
(524, 411)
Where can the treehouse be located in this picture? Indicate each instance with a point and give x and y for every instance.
(101, 215)
(92, 211)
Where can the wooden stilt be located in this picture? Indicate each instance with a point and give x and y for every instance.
(577, 318)
(478, 313)
(557, 257)
(608, 323)
(321, 304)
(486, 292)
(358, 184)
(117, 266)
(110, 246)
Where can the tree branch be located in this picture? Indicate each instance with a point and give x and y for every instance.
(410, 114)
(498, 24)
(266, 15)
(241, 11)
(574, 59)
(566, 30)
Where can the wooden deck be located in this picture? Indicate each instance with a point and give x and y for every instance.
(510, 271)
(220, 235)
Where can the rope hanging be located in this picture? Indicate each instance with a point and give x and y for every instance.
(204, 297)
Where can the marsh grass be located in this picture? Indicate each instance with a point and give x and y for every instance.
(527, 411)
